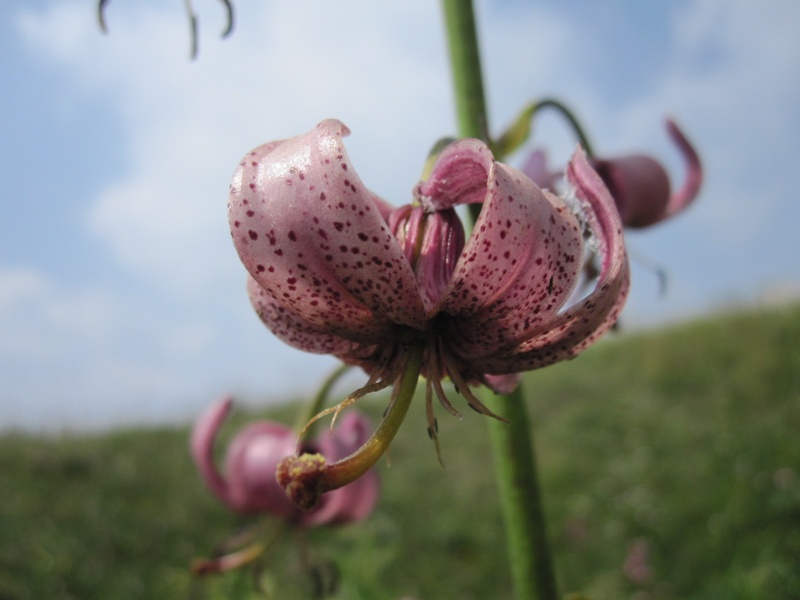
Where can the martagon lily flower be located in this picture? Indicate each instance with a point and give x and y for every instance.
(638, 183)
(401, 292)
(249, 485)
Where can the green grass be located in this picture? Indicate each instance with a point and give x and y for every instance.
(682, 443)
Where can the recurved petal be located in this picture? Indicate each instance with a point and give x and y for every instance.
(519, 265)
(204, 434)
(568, 333)
(312, 236)
(303, 335)
(250, 464)
(536, 168)
(503, 384)
(351, 503)
(459, 176)
(694, 171)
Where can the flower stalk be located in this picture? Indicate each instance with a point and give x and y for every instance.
(459, 18)
(523, 514)
(519, 131)
(306, 477)
(302, 423)
(511, 444)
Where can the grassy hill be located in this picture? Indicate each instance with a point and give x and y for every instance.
(670, 465)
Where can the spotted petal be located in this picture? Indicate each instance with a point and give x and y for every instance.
(570, 332)
(303, 335)
(314, 239)
(521, 262)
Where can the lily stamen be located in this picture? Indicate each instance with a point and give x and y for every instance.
(305, 478)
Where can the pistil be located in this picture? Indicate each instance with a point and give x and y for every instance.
(306, 477)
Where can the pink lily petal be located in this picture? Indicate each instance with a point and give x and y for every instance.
(536, 168)
(432, 243)
(301, 334)
(521, 262)
(312, 236)
(639, 185)
(570, 332)
(694, 172)
(459, 176)
(250, 463)
(204, 434)
(503, 384)
(252, 458)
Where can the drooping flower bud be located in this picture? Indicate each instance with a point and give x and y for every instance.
(638, 183)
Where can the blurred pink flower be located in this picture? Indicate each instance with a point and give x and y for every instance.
(537, 169)
(639, 184)
(249, 485)
(637, 566)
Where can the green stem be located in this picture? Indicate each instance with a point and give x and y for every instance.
(316, 405)
(520, 130)
(462, 39)
(523, 514)
(511, 444)
(306, 477)
(354, 466)
(570, 117)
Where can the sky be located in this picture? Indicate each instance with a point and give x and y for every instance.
(122, 299)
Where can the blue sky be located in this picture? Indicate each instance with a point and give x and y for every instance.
(121, 297)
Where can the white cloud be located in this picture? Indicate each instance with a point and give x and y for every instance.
(41, 322)
(730, 81)
(84, 357)
(382, 69)
(187, 125)
(75, 357)
(732, 84)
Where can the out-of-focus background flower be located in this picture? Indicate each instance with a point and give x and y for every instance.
(121, 296)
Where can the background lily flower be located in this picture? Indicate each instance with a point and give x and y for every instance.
(638, 183)
(334, 270)
(249, 484)
(537, 169)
